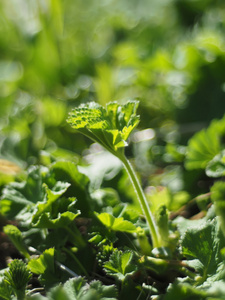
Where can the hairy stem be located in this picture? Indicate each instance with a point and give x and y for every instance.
(143, 202)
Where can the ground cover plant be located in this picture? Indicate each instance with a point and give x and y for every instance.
(75, 242)
(112, 157)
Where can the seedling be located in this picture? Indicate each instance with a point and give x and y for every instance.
(111, 127)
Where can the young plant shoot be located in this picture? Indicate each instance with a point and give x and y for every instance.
(111, 127)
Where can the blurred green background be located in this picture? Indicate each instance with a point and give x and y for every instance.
(55, 54)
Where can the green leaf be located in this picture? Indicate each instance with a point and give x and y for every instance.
(18, 275)
(5, 291)
(77, 288)
(184, 291)
(15, 236)
(45, 267)
(216, 166)
(202, 147)
(110, 126)
(51, 196)
(58, 293)
(91, 116)
(67, 171)
(204, 243)
(116, 224)
(63, 220)
(120, 264)
(45, 261)
(18, 195)
(163, 224)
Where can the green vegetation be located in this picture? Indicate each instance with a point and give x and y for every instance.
(112, 149)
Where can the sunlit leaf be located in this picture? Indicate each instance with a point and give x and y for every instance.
(63, 220)
(44, 266)
(110, 126)
(116, 224)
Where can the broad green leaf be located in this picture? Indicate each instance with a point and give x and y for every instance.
(204, 243)
(45, 261)
(67, 171)
(120, 264)
(77, 288)
(110, 126)
(216, 166)
(74, 287)
(58, 293)
(18, 195)
(45, 267)
(103, 291)
(63, 220)
(51, 196)
(116, 224)
(201, 149)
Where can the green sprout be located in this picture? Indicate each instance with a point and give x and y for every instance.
(17, 277)
(111, 128)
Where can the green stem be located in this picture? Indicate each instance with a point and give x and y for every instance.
(143, 202)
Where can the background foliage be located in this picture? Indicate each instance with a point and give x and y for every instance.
(55, 54)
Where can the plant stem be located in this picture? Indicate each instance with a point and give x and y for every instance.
(143, 202)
